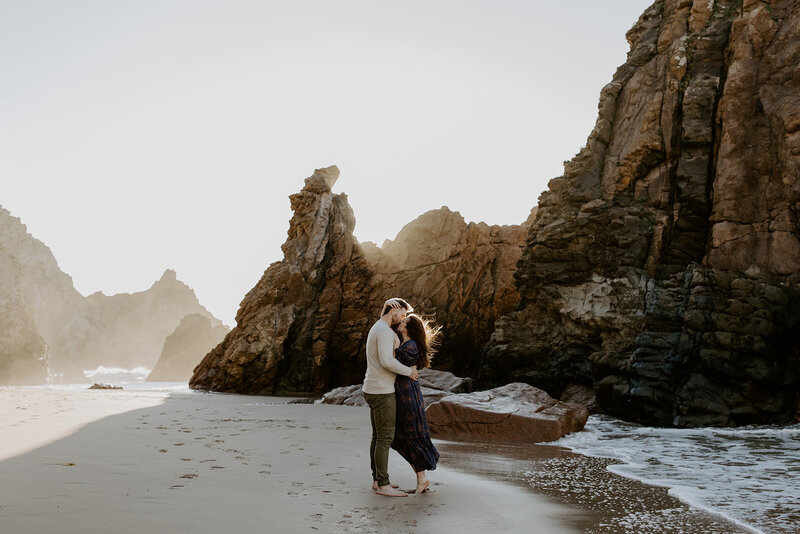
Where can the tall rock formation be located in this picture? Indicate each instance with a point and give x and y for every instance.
(49, 331)
(22, 349)
(183, 349)
(662, 267)
(42, 303)
(303, 327)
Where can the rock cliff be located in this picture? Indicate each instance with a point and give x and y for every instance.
(42, 306)
(183, 349)
(22, 349)
(303, 327)
(49, 331)
(662, 267)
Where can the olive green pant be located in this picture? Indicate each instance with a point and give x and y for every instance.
(382, 412)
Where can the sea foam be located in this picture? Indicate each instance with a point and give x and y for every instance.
(748, 475)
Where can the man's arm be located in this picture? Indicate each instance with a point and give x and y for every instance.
(386, 355)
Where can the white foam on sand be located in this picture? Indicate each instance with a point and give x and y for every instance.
(748, 475)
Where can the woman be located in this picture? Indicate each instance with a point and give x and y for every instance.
(412, 439)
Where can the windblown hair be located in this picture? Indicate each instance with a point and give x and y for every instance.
(425, 335)
(403, 304)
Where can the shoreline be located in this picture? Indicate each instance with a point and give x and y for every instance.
(616, 502)
(83, 461)
(228, 446)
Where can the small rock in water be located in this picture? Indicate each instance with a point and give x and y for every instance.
(104, 386)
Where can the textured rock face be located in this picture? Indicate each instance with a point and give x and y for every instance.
(303, 327)
(460, 273)
(295, 329)
(195, 335)
(513, 413)
(50, 331)
(633, 275)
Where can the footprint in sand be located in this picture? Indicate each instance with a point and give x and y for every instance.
(217, 467)
(206, 461)
(186, 459)
(162, 450)
(188, 475)
(176, 486)
(265, 473)
(177, 444)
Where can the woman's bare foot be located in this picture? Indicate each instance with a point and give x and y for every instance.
(375, 485)
(389, 491)
(422, 486)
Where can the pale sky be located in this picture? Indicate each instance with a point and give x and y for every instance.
(143, 135)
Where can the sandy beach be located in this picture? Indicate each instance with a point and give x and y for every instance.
(107, 461)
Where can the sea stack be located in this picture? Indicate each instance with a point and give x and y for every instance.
(303, 327)
(662, 268)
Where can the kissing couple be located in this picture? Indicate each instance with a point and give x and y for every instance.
(399, 344)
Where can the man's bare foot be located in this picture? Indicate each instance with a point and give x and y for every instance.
(375, 485)
(389, 491)
(422, 486)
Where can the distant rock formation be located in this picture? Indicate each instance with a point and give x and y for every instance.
(22, 349)
(194, 337)
(137, 324)
(303, 327)
(662, 267)
(41, 304)
(50, 331)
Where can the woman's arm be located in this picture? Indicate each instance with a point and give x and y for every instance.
(407, 354)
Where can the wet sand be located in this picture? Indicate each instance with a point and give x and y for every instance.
(616, 503)
(80, 461)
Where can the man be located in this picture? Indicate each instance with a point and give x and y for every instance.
(378, 390)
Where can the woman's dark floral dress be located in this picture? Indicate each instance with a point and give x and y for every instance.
(412, 439)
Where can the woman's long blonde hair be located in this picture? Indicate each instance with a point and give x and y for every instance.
(425, 334)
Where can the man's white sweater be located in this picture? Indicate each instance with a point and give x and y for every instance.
(381, 364)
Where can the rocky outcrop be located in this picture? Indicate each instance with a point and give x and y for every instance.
(49, 331)
(300, 328)
(183, 349)
(516, 412)
(435, 385)
(48, 323)
(662, 267)
(104, 386)
(460, 273)
(22, 349)
(345, 395)
(303, 327)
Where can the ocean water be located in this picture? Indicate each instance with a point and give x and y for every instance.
(748, 475)
(129, 379)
